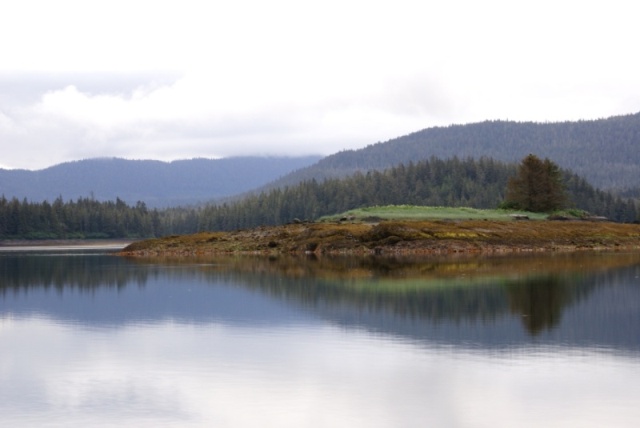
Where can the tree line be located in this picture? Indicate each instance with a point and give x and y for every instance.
(454, 182)
(83, 218)
(481, 183)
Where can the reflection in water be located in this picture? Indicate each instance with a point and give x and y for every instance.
(178, 374)
(540, 301)
(22, 271)
(96, 340)
(479, 299)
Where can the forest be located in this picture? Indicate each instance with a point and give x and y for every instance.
(603, 151)
(454, 182)
(84, 218)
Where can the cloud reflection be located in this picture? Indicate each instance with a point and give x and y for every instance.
(168, 374)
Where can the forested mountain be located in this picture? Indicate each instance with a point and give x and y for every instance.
(473, 183)
(606, 152)
(434, 182)
(158, 184)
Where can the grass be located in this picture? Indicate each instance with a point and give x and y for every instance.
(407, 229)
(413, 212)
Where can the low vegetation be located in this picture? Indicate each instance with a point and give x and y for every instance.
(371, 234)
(413, 212)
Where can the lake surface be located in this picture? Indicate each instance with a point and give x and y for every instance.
(90, 339)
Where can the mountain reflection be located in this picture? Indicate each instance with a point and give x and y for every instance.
(408, 296)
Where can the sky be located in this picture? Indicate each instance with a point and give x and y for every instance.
(181, 79)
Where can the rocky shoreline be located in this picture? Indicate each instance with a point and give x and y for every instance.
(399, 237)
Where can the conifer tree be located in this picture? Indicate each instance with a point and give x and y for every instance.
(537, 187)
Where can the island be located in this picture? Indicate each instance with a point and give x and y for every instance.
(438, 237)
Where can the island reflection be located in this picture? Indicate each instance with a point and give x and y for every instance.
(398, 295)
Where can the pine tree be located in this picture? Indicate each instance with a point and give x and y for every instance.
(537, 187)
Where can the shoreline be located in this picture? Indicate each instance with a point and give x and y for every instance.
(114, 245)
(440, 237)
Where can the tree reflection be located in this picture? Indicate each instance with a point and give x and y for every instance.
(540, 301)
(19, 273)
(380, 290)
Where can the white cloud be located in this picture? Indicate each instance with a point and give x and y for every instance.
(292, 77)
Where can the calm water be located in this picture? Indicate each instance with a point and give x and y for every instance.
(94, 340)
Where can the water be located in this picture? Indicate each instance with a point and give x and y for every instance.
(90, 339)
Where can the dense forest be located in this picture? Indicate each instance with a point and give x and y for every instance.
(435, 182)
(605, 151)
(83, 218)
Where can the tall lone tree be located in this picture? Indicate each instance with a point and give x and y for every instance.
(537, 187)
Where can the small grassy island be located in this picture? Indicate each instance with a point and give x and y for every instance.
(407, 230)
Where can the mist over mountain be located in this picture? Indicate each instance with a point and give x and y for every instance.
(158, 184)
(606, 151)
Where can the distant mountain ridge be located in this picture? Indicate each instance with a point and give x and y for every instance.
(605, 151)
(157, 183)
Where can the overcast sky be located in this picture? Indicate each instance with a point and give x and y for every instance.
(181, 79)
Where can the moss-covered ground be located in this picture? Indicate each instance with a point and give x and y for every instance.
(401, 237)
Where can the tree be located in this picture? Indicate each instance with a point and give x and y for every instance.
(537, 186)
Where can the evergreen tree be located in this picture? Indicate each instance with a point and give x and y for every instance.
(537, 187)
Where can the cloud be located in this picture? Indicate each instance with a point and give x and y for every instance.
(170, 80)
(203, 115)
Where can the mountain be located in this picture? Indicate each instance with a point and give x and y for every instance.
(605, 151)
(158, 184)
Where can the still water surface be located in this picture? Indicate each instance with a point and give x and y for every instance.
(90, 339)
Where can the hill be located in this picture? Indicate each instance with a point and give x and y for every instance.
(158, 184)
(605, 152)
(452, 183)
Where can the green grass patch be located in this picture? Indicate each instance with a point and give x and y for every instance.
(414, 212)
